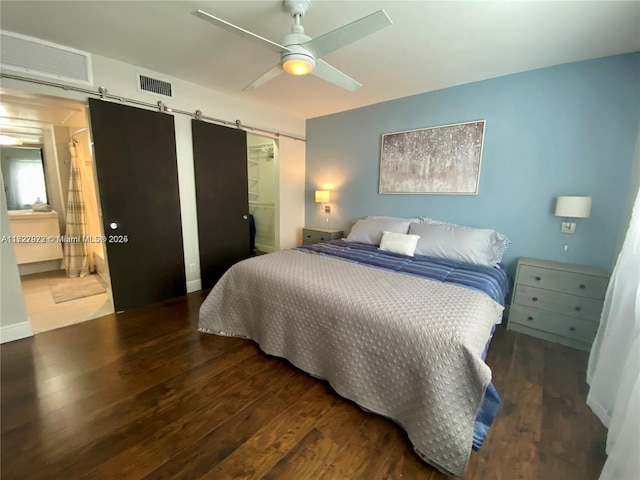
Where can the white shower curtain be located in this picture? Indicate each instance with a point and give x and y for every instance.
(76, 260)
(614, 364)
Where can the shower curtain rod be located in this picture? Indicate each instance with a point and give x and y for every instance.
(103, 94)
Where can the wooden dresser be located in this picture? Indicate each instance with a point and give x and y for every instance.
(311, 235)
(559, 302)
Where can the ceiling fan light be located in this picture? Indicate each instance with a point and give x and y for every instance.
(298, 64)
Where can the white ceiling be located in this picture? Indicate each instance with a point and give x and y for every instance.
(431, 45)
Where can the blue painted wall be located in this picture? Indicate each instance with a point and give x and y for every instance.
(564, 130)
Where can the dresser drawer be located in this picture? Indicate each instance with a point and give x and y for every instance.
(572, 305)
(562, 281)
(554, 323)
(311, 236)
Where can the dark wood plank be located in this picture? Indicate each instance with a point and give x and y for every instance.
(511, 448)
(573, 439)
(319, 448)
(175, 444)
(269, 444)
(97, 435)
(366, 452)
(144, 395)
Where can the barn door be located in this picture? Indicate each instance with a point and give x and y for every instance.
(135, 155)
(220, 162)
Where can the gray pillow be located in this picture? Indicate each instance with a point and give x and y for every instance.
(398, 219)
(369, 230)
(501, 242)
(471, 245)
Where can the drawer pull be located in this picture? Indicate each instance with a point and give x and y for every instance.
(583, 286)
(538, 279)
(535, 299)
(530, 318)
(578, 308)
(573, 329)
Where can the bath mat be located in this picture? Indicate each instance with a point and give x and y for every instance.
(68, 289)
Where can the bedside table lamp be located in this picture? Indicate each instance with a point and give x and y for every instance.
(324, 196)
(569, 208)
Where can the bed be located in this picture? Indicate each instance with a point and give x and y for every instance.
(401, 335)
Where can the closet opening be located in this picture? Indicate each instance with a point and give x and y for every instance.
(262, 168)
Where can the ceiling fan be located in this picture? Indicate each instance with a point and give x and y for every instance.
(299, 53)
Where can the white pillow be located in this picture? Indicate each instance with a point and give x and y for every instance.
(369, 230)
(501, 242)
(471, 245)
(399, 243)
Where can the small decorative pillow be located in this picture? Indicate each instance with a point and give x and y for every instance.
(472, 245)
(369, 230)
(399, 243)
(501, 242)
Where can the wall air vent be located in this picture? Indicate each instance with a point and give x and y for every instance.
(154, 85)
(37, 57)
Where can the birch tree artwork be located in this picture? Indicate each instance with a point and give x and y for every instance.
(444, 159)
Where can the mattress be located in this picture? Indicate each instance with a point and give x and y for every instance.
(397, 343)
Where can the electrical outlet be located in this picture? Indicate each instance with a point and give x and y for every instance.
(192, 267)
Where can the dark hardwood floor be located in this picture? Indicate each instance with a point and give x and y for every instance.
(144, 395)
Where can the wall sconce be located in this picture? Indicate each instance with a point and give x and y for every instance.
(323, 197)
(572, 207)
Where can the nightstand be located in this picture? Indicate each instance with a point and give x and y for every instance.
(559, 302)
(311, 235)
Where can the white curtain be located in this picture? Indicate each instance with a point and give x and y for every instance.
(614, 364)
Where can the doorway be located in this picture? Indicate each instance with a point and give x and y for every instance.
(262, 177)
(37, 191)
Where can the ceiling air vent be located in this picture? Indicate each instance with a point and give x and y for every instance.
(37, 57)
(154, 85)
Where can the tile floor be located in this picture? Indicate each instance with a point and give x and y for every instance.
(44, 314)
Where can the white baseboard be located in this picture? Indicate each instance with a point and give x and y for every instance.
(15, 331)
(194, 286)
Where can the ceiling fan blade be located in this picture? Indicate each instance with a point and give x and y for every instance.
(349, 33)
(274, 72)
(332, 75)
(239, 31)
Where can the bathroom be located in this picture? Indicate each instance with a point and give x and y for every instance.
(50, 187)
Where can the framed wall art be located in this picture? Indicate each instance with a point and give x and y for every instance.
(435, 160)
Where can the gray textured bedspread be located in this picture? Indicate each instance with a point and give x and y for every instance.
(402, 346)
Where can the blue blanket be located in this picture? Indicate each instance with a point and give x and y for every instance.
(493, 281)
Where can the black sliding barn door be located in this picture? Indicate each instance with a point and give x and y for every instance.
(135, 154)
(220, 162)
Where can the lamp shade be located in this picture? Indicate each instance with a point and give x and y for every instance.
(573, 207)
(322, 196)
